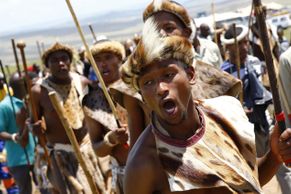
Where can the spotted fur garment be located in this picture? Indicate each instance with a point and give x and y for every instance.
(70, 96)
(95, 106)
(220, 154)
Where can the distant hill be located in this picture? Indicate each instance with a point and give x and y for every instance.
(118, 25)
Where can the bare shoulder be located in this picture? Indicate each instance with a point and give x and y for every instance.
(143, 169)
(84, 81)
(36, 89)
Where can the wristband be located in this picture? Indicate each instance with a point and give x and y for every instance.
(107, 141)
(13, 137)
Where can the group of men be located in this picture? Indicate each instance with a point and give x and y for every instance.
(180, 127)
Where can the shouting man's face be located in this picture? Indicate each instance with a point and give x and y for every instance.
(108, 64)
(166, 89)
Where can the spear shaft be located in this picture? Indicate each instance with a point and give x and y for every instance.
(41, 138)
(16, 57)
(92, 31)
(270, 66)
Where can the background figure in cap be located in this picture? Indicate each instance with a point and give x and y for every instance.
(18, 140)
(256, 97)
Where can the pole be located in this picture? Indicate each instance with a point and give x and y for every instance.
(8, 70)
(40, 54)
(237, 54)
(42, 47)
(69, 131)
(92, 61)
(270, 66)
(92, 32)
(41, 138)
(214, 23)
(16, 57)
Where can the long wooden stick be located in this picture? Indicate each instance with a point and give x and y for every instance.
(92, 61)
(40, 54)
(69, 131)
(270, 66)
(16, 57)
(214, 22)
(41, 138)
(8, 70)
(92, 32)
(237, 61)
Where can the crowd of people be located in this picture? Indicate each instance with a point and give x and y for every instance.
(193, 112)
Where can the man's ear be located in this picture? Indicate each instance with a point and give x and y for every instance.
(187, 32)
(190, 71)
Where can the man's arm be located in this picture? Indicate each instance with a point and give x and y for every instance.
(21, 117)
(139, 177)
(36, 96)
(97, 134)
(136, 118)
(280, 151)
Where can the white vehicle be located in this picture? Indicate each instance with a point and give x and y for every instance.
(280, 20)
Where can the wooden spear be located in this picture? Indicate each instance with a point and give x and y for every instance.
(270, 66)
(59, 109)
(8, 70)
(214, 22)
(92, 61)
(16, 57)
(41, 138)
(237, 54)
(92, 32)
(40, 54)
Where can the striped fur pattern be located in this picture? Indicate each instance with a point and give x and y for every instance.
(171, 7)
(155, 47)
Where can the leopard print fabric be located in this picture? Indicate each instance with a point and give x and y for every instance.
(221, 154)
(95, 106)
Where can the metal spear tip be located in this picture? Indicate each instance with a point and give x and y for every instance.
(21, 44)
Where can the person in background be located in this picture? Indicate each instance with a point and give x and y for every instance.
(19, 141)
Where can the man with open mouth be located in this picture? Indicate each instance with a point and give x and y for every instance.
(191, 146)
(107, 138)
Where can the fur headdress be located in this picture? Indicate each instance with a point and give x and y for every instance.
(109, 46)
(228, 37)
(155, 47)
(171, 7)
(54, 48)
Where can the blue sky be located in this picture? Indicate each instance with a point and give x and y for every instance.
(23, 14)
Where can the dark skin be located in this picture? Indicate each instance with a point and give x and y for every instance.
(166, 80)
(243, 50)
(138, 115)
(108, 64)
(59, 64)
(204, 30)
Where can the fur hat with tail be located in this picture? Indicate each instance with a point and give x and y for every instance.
(155, 47)
(171, 7)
